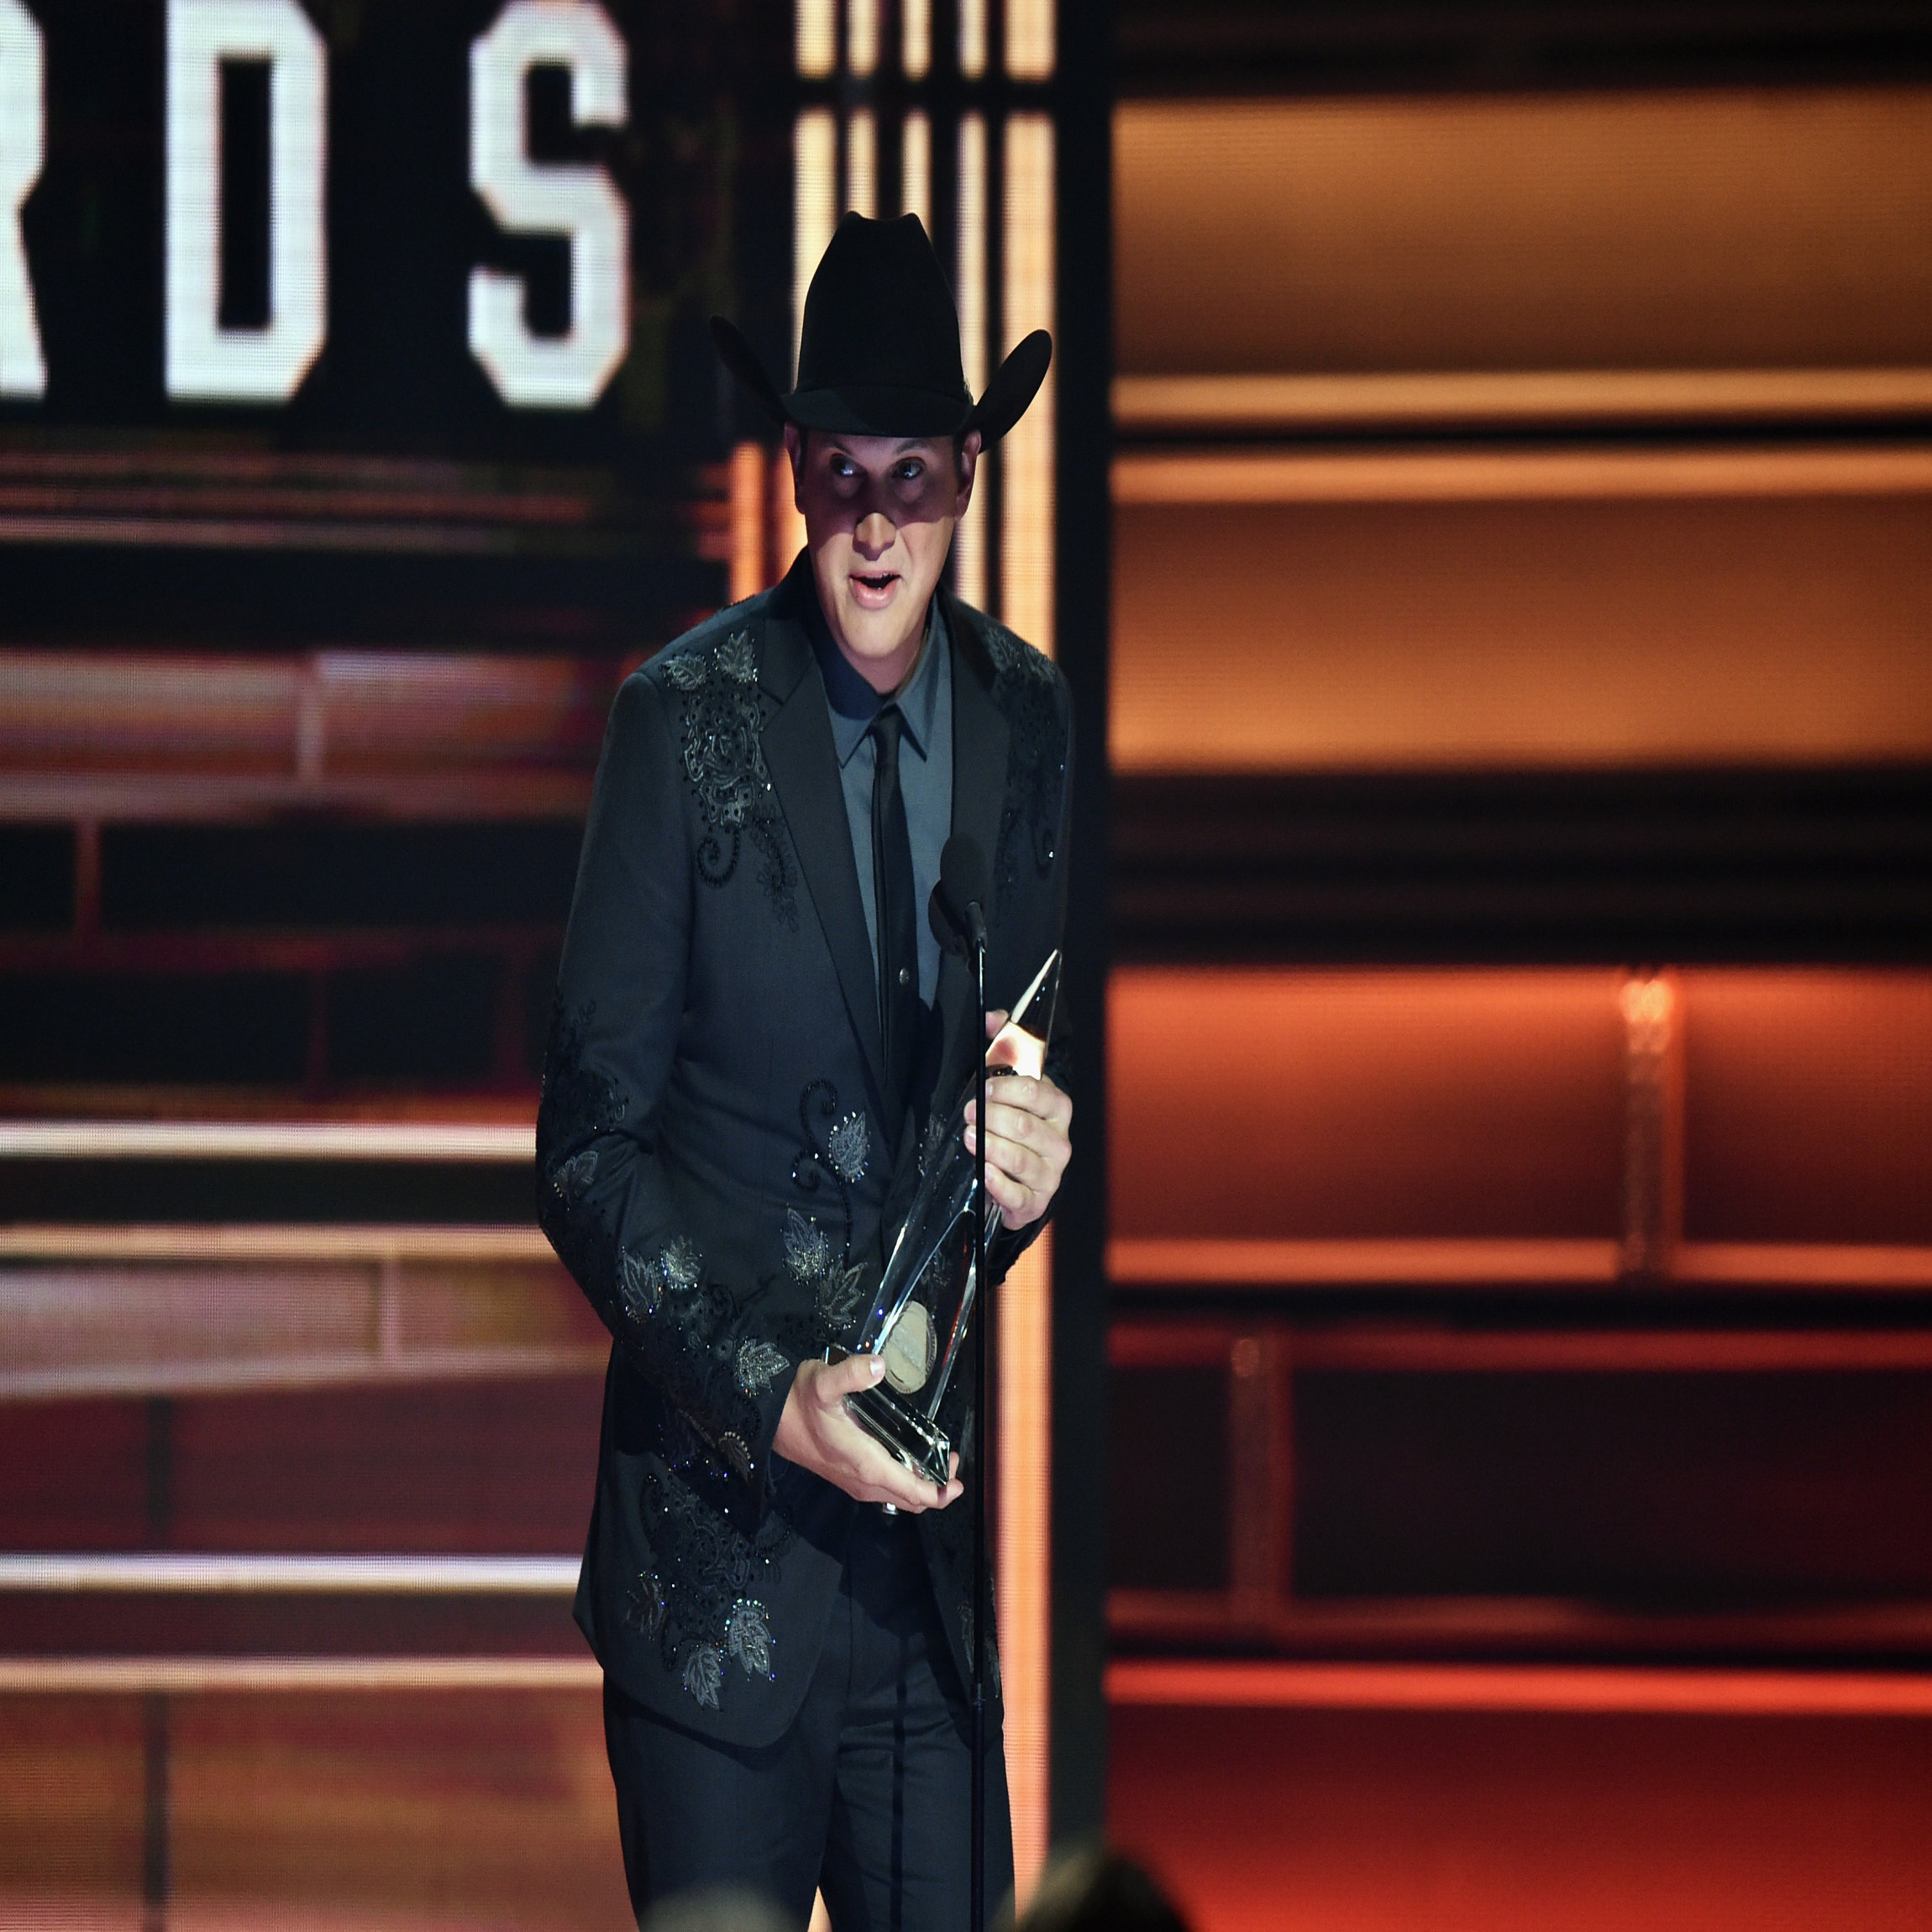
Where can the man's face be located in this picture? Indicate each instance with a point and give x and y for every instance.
(878, 515)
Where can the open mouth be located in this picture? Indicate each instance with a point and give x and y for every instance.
(873, 586)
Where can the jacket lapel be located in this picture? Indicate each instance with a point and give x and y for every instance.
(804, 766)
(979, 747)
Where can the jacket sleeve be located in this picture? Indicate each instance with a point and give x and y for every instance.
(1006, 1245)
(602, 1197)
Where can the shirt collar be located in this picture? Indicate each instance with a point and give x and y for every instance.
(853, 702)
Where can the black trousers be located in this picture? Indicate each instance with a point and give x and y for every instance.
(868, 1797)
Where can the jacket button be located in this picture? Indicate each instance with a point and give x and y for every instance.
(905, 975)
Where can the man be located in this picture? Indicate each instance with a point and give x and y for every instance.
(755, 1030)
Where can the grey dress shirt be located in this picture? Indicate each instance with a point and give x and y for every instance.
(925, 702)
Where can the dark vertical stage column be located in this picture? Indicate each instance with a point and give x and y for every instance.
(1083, 443)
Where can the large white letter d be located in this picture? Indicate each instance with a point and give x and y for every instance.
(205, 361)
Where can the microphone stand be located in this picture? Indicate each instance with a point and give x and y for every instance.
(982, 1445)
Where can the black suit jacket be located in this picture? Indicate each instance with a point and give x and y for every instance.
(718, 1163)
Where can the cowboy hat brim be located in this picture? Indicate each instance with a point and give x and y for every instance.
(1014, 386)
(740, 358)
(884, 410)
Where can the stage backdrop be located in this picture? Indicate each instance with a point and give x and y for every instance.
(359, 430)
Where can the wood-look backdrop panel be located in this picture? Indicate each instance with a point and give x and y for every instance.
(1700, 228)
(1589, 631)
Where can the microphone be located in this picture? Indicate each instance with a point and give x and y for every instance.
(957, 911)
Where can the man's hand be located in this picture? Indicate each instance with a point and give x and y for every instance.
(815, 1432)
(1026, 1143)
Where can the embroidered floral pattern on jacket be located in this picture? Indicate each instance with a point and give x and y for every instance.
(643, 1281)
(698, 1369)
(748, 1638)
(639, 1282)
(703, 1674)
(706, 1599)
(840, 1156)
(645, 1605)
(571, 1177)
(724, 761)
(680, 1328)
(577, 1104)
(1027, 690)
(837, 1292)
(808, 1252)
(681, 1266)
(737, 658)
(849, 1146)
(759, 1365)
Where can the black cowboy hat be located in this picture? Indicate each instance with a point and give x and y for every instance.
(879, 352)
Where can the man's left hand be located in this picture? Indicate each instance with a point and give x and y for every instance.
(1026, 1143)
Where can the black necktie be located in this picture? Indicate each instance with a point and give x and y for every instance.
(892, 904)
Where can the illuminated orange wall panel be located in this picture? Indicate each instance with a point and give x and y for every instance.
(1686, 228)
(1407, 634)
(71, 1828)
(1383, 1821)
(1729, 1471)
(332, 1802)
(1807, 1110)
(1275, 1104)
(76, 1476)
(399, 1810)
(470, 1465)
(1289, 1103)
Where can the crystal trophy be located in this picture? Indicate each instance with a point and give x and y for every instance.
(919, 1315)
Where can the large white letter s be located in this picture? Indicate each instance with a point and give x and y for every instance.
(23, 148)
(206, 361)
(568, 371)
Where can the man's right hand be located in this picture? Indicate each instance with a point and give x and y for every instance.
(815, 1432)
